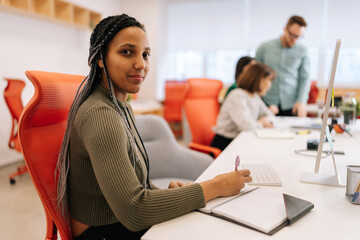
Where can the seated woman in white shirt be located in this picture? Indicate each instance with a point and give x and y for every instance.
(244, 109)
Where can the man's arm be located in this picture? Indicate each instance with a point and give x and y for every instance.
(304, 80)
(303, 87)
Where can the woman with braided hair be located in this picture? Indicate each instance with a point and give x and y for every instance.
(103, 166)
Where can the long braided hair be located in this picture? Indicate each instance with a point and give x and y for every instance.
(102, 35)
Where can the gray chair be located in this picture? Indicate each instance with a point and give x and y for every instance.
(169, 160)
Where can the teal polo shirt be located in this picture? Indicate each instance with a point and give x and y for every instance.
(292, 66)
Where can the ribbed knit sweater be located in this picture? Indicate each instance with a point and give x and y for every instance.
(103, 186)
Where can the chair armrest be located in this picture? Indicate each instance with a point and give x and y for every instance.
(205, 149)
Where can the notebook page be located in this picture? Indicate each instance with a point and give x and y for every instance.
(260, 209)
(220, 200)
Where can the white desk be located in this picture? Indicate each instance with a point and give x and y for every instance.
(146, 107)
(333, 216)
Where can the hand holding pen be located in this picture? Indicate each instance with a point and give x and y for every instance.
(235, 180)
(237, 162)
(227, 184)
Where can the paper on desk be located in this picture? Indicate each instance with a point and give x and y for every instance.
(274, 133)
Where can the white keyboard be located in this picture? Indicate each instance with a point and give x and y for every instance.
(263, 174)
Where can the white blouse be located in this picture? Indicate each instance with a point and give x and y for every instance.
(240, 111)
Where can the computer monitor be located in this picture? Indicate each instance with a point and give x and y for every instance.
(316, 177)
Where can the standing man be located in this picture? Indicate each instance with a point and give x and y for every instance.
(290, 90)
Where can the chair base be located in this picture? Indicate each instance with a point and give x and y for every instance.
(20, 171)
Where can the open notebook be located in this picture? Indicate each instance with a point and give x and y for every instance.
(259, 209)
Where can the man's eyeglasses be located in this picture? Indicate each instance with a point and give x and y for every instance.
(294, 35)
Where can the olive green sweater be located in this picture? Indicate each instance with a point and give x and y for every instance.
(103, 186)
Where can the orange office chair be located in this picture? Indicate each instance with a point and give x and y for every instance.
(313, 93)
(12, 95)
(174, 97)
(202, 107)
(41, 130)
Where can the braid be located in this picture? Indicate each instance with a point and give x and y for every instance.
(130, 134)
(103, 33)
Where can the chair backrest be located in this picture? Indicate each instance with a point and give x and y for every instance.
(174, 97)
(41, 130)
(313, 93)
(202, 107)
(12, 95)
(168, 159)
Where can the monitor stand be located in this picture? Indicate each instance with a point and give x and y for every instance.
(321, 178)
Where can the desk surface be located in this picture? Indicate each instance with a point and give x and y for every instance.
(333, 216)
(146, 107)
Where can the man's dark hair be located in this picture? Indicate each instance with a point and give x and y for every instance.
(296, 20)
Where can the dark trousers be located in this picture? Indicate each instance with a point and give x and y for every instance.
(220, 142)
(282, 112)
(285, 112)
(114, 231)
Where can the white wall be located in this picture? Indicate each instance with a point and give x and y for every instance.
(222, 24)
(151, 13)
(31, 44)
(212, 25)
(268, 19)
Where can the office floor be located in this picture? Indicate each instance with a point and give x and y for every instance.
(21, 213)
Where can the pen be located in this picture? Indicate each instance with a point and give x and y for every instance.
(237, 162)
(303, 132)
(356, 193)
(347, 131)
(344, 129)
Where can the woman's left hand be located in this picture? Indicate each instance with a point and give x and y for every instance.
(176, 184)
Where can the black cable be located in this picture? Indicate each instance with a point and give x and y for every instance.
(145, 156)
(300, 152)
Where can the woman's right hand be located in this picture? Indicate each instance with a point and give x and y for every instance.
(264, 121)
(227, 184)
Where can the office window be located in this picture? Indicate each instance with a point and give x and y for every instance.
(186, 64)
(214, 34)
(211, 64)
(221, 65)
(348, 68)
(314, 55)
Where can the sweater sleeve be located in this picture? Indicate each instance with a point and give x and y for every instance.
(135, 207)
(264, 110)
(240, 113)
(304, 79)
